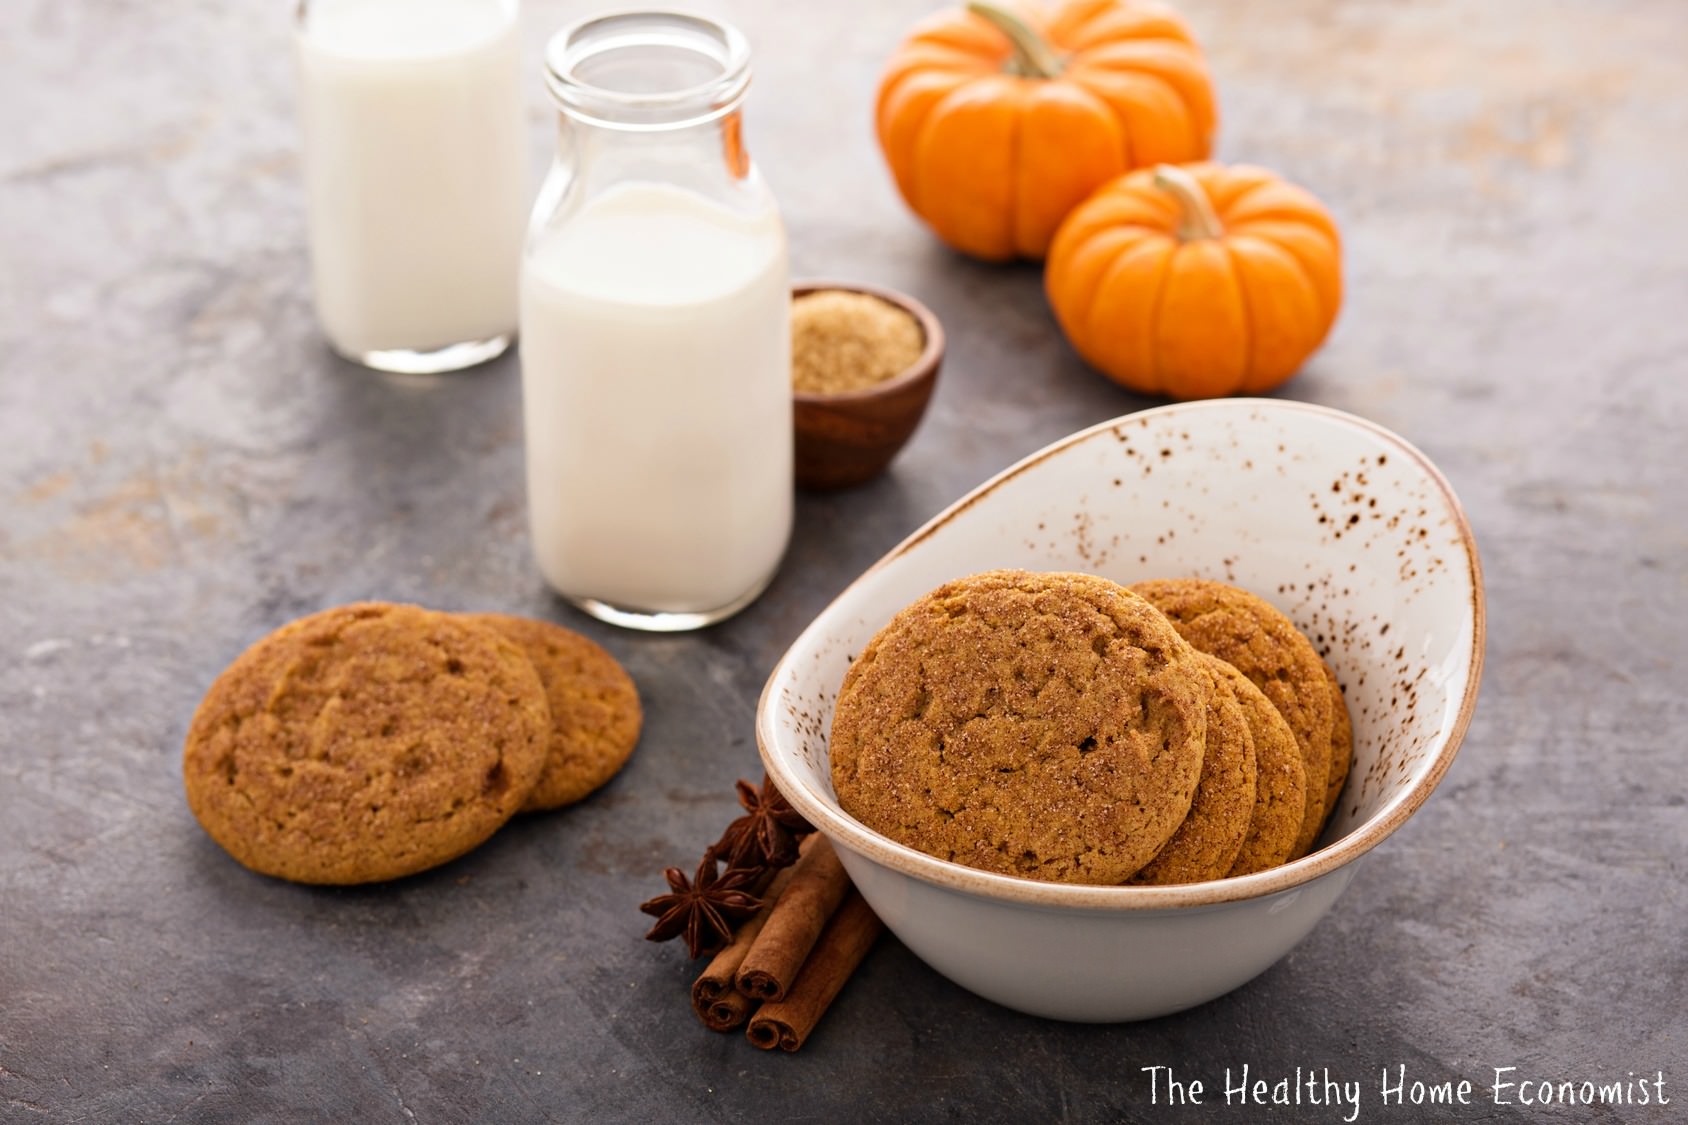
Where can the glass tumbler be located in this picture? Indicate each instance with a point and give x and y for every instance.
(416, 171)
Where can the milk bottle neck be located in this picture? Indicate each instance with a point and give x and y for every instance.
(706, 157)
(652, 96)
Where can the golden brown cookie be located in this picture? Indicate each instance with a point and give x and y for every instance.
(1207, 843)
(1050, 726)
(365, 742)
(1280, 778)
(1251, 635)
(595, 714)
(1341, 746)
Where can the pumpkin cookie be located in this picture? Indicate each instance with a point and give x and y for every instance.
(1208, 842)
(1050, 726)
(1251, 635)
(1341, 746)
(364, 743)
(1280, 779)
(595, 714)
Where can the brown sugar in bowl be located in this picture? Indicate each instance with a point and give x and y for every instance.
(849, 437)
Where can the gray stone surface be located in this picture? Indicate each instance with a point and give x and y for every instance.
(183, 466)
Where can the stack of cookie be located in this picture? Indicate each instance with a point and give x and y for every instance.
(1066, 728)
(373, 741)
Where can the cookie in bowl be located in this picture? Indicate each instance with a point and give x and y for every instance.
(1050, 726)
(1255, 638)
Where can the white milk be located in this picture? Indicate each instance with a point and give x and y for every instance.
(416, 165)
(656, 383)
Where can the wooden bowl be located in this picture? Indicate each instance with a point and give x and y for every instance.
(848, 438)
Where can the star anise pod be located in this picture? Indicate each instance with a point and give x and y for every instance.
(766, 835)
(705, 909)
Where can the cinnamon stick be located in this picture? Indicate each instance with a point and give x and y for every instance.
(786, 1024)
(716, 1001)
(817, 886)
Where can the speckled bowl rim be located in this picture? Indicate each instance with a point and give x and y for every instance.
(925, 364)
(1028, 892)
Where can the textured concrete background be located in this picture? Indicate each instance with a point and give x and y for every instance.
(183, 467)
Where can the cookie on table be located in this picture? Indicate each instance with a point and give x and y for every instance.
(1050, 726)
(364, 743)
(1208, 842)
(1280, 779)
(1252, 636)
(595, 713)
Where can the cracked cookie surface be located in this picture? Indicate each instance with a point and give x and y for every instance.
(595, 713)
(1252, 636)
(365, 742)
(1050, 726)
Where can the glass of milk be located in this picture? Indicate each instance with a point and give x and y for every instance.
(416, 168)
(656, 351)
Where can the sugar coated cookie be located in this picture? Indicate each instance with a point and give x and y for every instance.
(1208, 842)
(365, 743)
(1252, 636)
(1051, 726)
(595, 714)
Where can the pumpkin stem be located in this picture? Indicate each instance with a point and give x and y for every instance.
(1197, 219)
(1033, 56)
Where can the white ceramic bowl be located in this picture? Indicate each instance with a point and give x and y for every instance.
(1339, 523)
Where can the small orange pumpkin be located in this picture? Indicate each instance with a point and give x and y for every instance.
(1198, 281)
(996, 121)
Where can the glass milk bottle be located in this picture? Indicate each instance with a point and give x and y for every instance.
(656, 351)
(416, 169)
